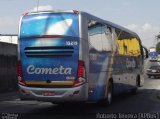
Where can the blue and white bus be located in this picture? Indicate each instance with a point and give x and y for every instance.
(74, 56)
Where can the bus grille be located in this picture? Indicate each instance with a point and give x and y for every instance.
(52, 51)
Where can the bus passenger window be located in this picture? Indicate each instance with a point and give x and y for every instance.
(94, 33)
(106, 38)
(114, 40)
(123, 43)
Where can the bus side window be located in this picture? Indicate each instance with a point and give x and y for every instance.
(123, 43)
(135, 47)
(114, 40)
(94, 34)
(106, 38)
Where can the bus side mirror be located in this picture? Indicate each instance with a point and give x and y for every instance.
(145, 52)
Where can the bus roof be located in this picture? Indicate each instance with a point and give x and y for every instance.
(111, 24)
(88, 15)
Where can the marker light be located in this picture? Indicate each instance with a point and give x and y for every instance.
(21, 81)
(81, 74)
(75, 11)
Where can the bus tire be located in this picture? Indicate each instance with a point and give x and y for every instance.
(138, 81)
(134, 91)
(59, 103)
(22, 98)
(109, 97)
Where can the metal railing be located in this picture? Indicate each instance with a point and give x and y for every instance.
(9, 38)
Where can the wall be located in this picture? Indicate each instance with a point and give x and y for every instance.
(8, 67)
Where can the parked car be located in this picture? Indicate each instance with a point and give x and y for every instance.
(153, 70)
(158, 58)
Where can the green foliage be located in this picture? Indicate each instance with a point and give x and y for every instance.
(158, 36)
(158, 47)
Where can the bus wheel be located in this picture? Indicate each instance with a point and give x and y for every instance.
(108, 99)
(109, 93)
(134, 90)
(138, 81)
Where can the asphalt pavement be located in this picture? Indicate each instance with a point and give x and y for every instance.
(146, 101)
(9, 95)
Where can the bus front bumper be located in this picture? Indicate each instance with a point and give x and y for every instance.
(79, 93)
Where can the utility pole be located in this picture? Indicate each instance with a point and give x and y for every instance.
(37, 5)
(158, 43)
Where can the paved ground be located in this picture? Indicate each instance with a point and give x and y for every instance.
(145, 102)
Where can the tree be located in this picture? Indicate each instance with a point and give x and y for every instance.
(158, 47)
(158, 38)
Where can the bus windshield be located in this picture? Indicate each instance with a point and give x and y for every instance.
(65, 24)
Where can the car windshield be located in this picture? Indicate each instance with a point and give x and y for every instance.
(154, 65)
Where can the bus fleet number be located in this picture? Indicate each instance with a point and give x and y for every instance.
(71, 43)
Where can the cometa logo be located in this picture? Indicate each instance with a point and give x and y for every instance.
(31, 69)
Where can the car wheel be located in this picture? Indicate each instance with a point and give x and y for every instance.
(154, 77)
(149, 76)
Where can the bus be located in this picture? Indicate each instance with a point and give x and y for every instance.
(73, 56)
(153, 54)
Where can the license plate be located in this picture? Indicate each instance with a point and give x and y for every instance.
(48, 93)
(153, 71)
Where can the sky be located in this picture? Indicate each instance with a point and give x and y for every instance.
(140, 16)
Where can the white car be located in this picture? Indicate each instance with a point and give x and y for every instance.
(153, 71)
